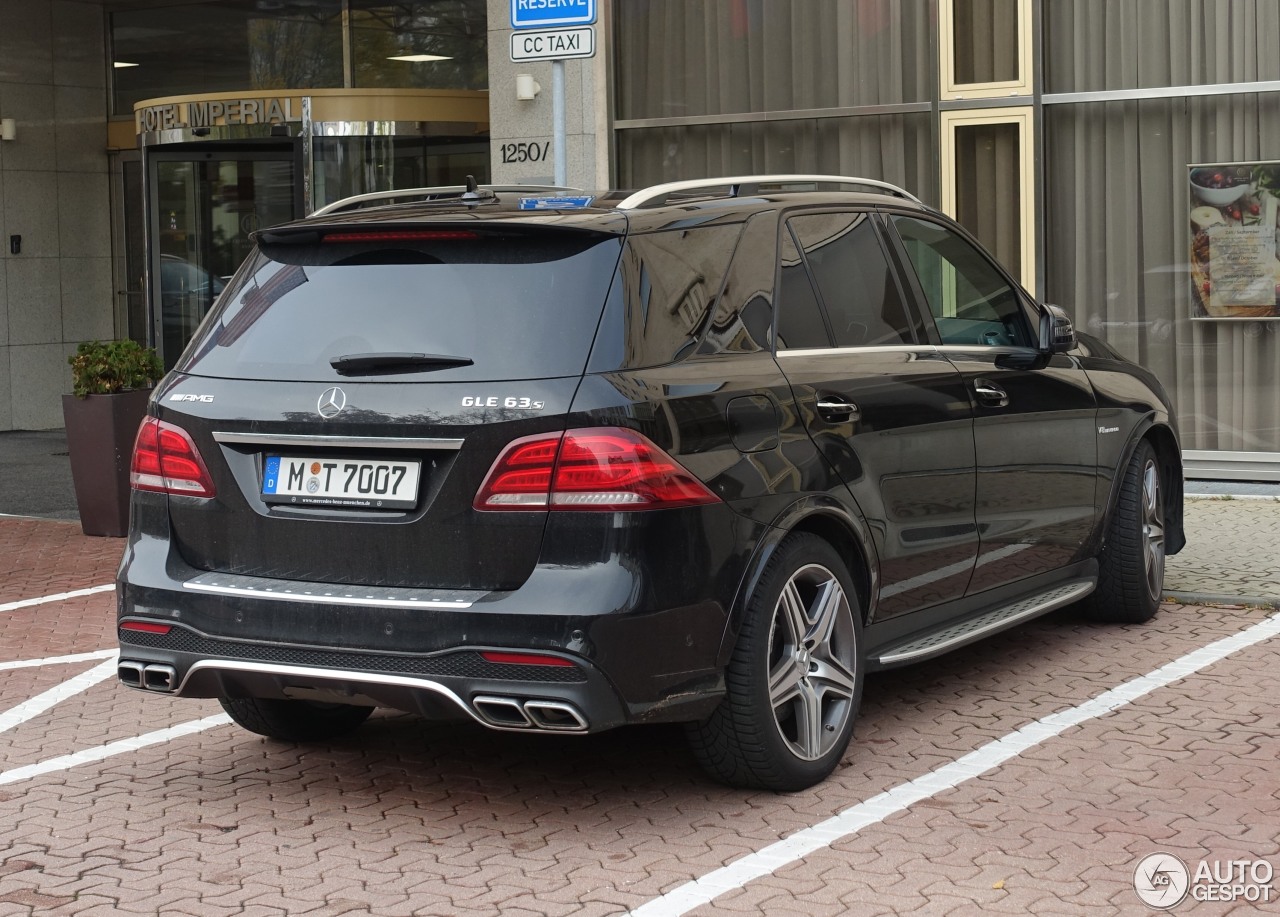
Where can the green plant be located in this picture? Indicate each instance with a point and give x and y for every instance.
(104, 367)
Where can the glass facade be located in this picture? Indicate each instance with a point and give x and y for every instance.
(895, 148)
(224, 46)
(1102, 45)
(424, 45)
(687, 58)
(236, 45)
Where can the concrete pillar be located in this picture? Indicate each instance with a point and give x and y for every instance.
(521, 131)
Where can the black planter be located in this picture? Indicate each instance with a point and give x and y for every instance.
(100, 434)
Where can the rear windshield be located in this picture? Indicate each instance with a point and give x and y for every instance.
(517, 305)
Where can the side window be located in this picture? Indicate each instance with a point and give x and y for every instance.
(971, 301)
(800, 321)
(864, 306)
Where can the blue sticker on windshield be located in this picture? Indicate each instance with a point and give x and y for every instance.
(554, 203)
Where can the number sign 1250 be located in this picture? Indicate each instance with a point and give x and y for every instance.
(525, 152)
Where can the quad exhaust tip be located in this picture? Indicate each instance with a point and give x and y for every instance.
(148, 676)
(533, 714)
(130, 673)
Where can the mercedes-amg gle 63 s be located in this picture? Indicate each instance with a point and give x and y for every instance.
(706, 453)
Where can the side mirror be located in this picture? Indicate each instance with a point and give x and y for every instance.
(1057, 334)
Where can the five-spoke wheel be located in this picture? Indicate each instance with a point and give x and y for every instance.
(812, 685)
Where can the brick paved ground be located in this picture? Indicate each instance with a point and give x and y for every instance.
(405, 817)
(38, 558)
(1233, 549)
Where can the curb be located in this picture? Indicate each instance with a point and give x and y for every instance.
(1207, 598)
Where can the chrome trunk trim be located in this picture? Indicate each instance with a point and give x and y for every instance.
(283, 590)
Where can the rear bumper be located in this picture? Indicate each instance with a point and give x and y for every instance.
(587, 703)
(642, 641)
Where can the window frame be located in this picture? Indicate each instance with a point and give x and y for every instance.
(780, 301)
(1027, 306)
(919, 326)
(950, 89)
(1022, 118)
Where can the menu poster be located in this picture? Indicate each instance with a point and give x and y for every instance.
(1235, 240)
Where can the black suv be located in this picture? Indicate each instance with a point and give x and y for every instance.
(706, 453)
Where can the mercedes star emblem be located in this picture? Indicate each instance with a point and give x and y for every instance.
(331, 402)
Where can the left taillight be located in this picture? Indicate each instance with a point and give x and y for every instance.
(166, 460)
(596, 469)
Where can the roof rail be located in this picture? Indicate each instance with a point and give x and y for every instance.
(750, 184)
(440, 192)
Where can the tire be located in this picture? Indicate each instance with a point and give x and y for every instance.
(1131, 564)
(294, 720)
(793, 684)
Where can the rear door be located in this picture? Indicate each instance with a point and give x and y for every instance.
(350, 392)
(888, 411)
(1034, 418)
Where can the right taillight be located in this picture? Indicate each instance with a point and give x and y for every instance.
(167, 461)
(599, 469)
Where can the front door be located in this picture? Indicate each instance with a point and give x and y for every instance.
(1034, 420)
(203, 203)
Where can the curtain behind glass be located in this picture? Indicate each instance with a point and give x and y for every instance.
(680, 58)
(986, 41)
(988, 196)
(1094, 45)
(1118, 236)
(893, 148)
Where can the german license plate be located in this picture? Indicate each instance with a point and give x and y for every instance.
(357, 483)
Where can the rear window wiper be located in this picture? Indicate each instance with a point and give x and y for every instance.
(352, 364)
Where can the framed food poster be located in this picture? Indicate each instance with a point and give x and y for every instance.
(1235, 240)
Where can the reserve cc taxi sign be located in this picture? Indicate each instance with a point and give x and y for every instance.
(553, 44)
(540, 14)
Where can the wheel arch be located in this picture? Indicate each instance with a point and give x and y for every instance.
(832, 522)
(1165, 443)
(1167, 451)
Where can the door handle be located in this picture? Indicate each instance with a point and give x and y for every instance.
(837, 409)
(990, 394)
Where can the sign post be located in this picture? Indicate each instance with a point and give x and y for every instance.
(555, 45)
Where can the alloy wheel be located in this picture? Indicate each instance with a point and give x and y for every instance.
(812, 662)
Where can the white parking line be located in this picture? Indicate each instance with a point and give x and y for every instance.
(789, 850)
(73, 594)
(121, 747)
(57, 660)
(37, 705)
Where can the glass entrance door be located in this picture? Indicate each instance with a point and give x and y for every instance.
(203, 205)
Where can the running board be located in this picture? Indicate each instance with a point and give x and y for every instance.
(958, 634)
